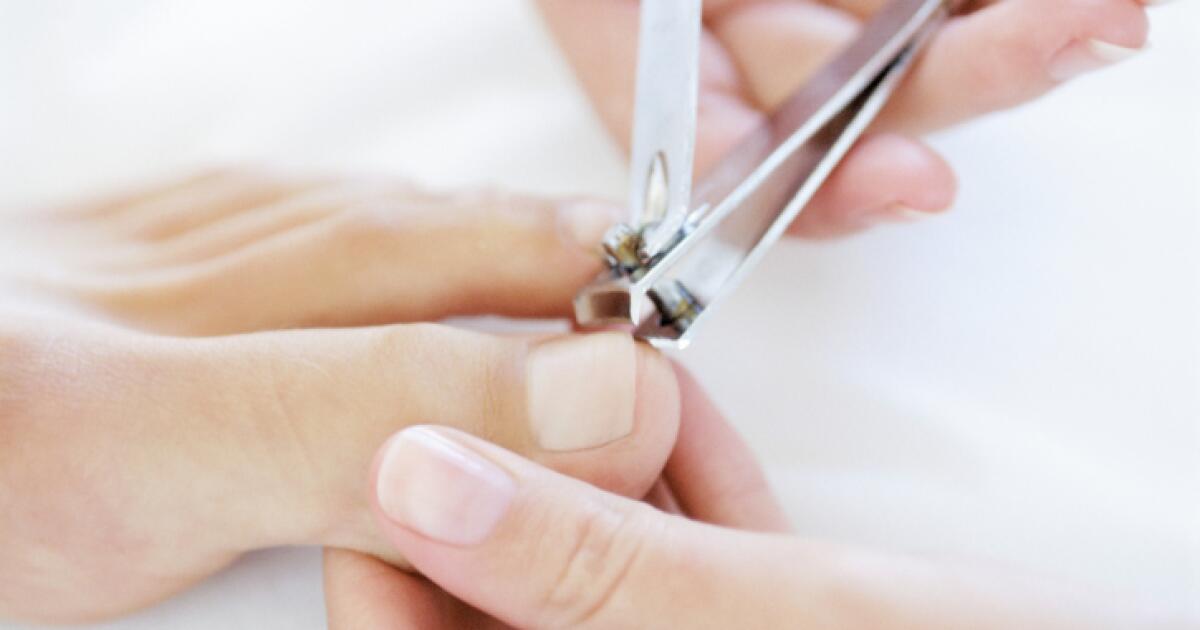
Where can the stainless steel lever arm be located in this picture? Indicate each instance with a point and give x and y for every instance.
(757, 190)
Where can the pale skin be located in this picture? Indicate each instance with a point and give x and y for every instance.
(757, 52)
(187, 376)
(207, 367)
(710, 548)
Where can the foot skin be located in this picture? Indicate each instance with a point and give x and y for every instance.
(207, 368)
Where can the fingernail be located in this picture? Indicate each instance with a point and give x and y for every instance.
(898, 213)
(1085, 56)
(1111, 53)
(584, 223)
(908, 214)
(581, 390)
(438, 488)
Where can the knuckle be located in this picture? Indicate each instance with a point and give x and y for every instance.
(606, 545)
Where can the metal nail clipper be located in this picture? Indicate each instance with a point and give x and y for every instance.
(683, 250)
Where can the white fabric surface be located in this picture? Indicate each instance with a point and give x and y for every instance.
(1016, 381)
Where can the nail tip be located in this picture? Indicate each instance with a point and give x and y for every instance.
(1089, 55)
(904, 213)
(1110, 52)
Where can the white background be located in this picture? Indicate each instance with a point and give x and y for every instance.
(1016, 381)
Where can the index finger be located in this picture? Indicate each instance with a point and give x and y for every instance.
(365, 593)
(599, 38)
(715, 476)
(600, 41)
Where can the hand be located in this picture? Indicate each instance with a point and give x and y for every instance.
(755, 53)
(520, 545)
(145, 445)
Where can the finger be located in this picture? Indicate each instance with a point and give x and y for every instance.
(995, 58)
(600, 40)
(1011, 52)
(537, 549)
(597, 407)
(713, 473)
(662, 497)
(886, 178)
(365, 593)
(540, 550)
(906, 179)
(866, 8)
(777, 45)
(859, 8)
(385, 260)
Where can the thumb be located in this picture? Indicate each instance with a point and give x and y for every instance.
(538, 549)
